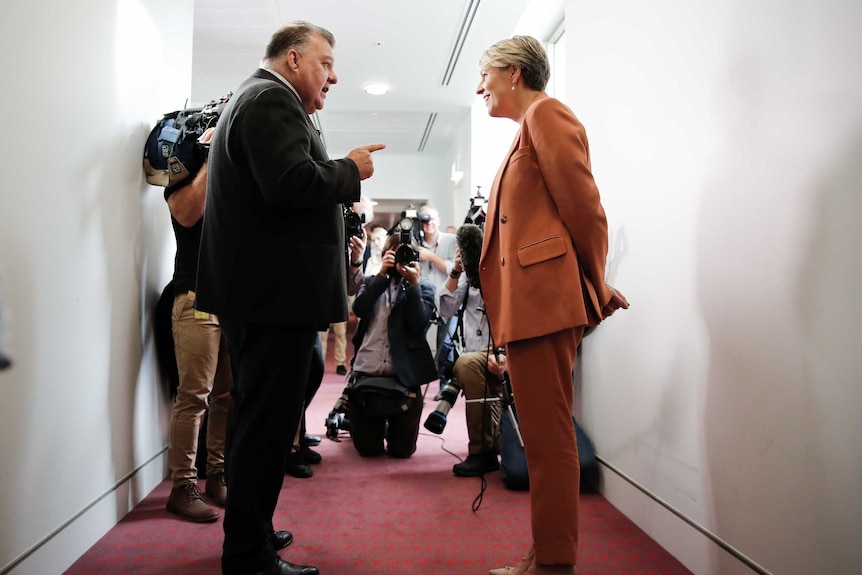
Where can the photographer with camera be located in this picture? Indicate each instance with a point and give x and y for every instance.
(436, 258)
(355, 218)
(393, 358)
(476, 371)
(202, 361)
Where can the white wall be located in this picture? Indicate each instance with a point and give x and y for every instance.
(85, 247)
(411, 176)
(726, 140)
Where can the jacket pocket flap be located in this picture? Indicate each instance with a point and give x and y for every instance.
(543, 250)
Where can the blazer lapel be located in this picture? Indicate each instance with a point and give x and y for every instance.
(494, 196)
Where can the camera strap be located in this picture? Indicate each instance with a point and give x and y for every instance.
(459, 326)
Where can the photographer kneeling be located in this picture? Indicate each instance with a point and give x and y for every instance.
(477, 371)
(393, 358)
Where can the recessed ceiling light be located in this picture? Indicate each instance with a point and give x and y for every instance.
(376, 89)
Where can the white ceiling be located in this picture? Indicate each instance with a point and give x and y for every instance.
(407, 44)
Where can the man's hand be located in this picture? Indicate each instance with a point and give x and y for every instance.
(497, 364)
(457, 266)
(357, 246)
(617, 301)
(361, 156)
(207, 136)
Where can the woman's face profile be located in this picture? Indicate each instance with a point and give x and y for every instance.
(495, 87)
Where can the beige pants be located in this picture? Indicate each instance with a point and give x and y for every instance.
(204, 369)
(340, 351)
(483, 418)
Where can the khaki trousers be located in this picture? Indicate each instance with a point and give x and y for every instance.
(340, 351)
(483, 417)
(204, 370)
(540, 370)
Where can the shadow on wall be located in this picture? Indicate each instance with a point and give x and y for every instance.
(778, 256)
(135, 229)
(827, 298)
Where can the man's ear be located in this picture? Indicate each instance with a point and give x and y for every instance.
(292, 59)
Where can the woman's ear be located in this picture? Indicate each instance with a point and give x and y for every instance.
(515, 73)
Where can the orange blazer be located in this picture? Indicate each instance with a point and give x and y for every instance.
(542, 268)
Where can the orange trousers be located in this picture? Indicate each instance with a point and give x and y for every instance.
(540, 370)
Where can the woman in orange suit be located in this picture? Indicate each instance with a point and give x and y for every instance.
(542, 273)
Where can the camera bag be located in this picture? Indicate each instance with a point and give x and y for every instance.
(513, 460)
(382, 396)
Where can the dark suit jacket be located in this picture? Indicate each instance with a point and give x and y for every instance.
(273, 246)
(408, 323)
(546, 237)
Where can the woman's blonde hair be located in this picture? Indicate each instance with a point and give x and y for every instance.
(523, 52)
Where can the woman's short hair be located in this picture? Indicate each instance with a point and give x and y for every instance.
(523, 52)
(295, 35)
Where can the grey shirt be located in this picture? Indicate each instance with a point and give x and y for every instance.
(477, 334)
(374, 356)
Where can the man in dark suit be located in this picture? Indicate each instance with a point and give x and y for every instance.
(272, 266)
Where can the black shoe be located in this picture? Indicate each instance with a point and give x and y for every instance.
(311, 440)
(309, 456)
(281, 539)
(476, 465)
(341, 370)
(282, 567)
(296, 467)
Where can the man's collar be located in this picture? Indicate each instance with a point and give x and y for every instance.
(284, 80)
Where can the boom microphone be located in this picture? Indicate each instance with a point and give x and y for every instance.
(469, 238)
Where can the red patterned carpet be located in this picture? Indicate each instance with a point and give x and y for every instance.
(371, 516)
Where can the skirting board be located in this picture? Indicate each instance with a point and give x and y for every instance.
(62, 547)
(699, 552)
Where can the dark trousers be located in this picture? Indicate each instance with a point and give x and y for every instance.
(270, 366)
(400, 432)
(315, 378)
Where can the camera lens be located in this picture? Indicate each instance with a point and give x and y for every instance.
(405, 254)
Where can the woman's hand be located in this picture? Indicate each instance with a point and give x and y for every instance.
(409, 271)
(618, 300)
(387, 262)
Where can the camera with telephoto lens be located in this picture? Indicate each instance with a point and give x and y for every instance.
(436, 421)
(353, 222)
(407, 228)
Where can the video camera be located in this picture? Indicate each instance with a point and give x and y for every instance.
(353, 222)
(476, 213)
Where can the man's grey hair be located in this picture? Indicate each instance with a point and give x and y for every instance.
(296, 35)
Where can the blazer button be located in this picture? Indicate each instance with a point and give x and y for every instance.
(502, 261)
(503, 219)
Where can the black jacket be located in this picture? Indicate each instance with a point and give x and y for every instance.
(272, 245)
(408, 322)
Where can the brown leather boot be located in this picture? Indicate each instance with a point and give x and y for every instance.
(216, 488)
(186, 501)
(518, 569)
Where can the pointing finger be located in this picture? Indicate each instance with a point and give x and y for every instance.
(373, 147)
